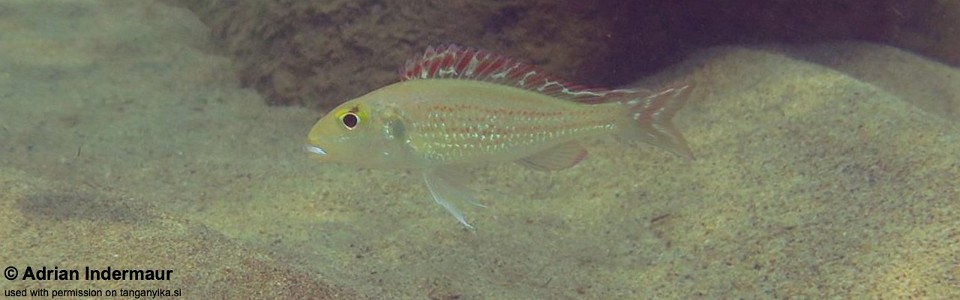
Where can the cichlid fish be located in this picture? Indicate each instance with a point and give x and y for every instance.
(456, 107)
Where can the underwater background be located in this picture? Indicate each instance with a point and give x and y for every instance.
(167, 135)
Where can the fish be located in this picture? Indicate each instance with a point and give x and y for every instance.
(457, 107)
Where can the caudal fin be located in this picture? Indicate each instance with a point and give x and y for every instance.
(651, 119)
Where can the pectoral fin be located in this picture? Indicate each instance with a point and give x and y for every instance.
(557, 158)
(447, 186)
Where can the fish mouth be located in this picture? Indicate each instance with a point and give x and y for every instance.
(314, 149)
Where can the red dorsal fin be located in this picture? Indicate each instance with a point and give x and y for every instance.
(453, 62)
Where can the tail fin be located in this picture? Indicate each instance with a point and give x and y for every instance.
(651, 116)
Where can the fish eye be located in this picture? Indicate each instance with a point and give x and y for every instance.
(350, 120)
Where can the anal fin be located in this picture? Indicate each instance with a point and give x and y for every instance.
(557, 158)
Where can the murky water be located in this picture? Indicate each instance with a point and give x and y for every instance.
(821, 171)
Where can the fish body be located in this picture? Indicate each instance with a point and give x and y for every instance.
(458, 107)
(449, 121)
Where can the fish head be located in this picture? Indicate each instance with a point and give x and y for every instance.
(358, 132)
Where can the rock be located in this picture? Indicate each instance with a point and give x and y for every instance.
(337, 50)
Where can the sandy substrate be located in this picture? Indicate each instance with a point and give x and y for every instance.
(820, 173)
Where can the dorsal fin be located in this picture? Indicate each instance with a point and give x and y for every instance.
(453, 62)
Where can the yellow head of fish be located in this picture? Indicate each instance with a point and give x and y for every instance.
(359, 132)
